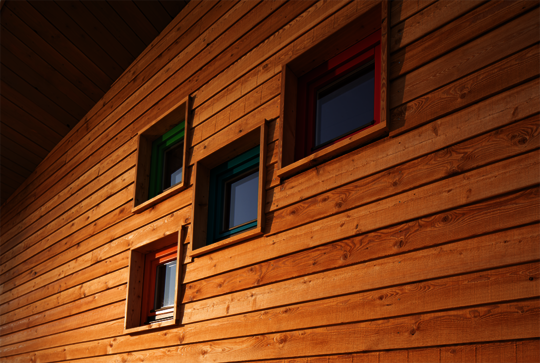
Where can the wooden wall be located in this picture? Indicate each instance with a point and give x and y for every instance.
(420, 247)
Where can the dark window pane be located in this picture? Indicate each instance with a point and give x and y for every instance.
(242, 198)
(165, 281)
(172, 165)
(345, 105)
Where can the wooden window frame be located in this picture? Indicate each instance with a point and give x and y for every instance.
(201, 193)
(160, 146)
(139, 281)
(169, 120)
(217, 199)
(322, 55)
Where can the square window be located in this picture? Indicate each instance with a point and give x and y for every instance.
(339, 98)
(161, 156)
(335, 94)
(153, 279)
(229, 191)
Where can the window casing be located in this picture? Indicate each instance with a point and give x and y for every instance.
(221, 179)
(339, 98)
(331, 65)
(161, 157)
(153, 280)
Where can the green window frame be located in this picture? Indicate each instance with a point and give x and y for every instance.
(219, 176)
(172, 138)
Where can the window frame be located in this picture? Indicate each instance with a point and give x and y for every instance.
(146, 159)
(137, 303)
(160, 146)
(341, 65)
(256, 137)
(219, 177)
(152, 261)
(349, 35)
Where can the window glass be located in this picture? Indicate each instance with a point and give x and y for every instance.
(165, 289)
(233, 196)
(241, 200)
(345, 105)
(172, 165)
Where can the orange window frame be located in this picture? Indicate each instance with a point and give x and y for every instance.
(152, 261)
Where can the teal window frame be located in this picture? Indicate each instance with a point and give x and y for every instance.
(159, 146)
(219, 176)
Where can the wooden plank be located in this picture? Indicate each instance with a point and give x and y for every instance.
(193, 13)
(10, 78)
(71, 295)
(488, 286)
(404, 9)
(116, 26)
(244, 125)
(173, 7)
(473, 324)
(113, 255)
(427, 20)
(98, 331)
(313, 17)
(460, 158)
(447, 194)
(33, 109)
(25, 124)
(406, 237)
(58, 41)
(50, 226)
(96, 316)
(456, 258)
(136, 20)
(53, 57)
(97, 31)
(24, 218)
(528, 351)
(496, 353)
(86, 274)
(460, 354)
(76, 219)
(309, 19)
(32, 150)
(78, 38)
(15, 167)
(480, 118)
(43, 69)
(155, 13)
(66, 200)
(466, 91)
(458, 32)
(82, 132)
(20, 151)
(498, 44)
(98, 300)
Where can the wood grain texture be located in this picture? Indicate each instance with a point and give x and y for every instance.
(421, 246)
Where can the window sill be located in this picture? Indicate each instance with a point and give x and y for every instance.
(226, 242)
(151, 326)
(333, 150)
(159, 198)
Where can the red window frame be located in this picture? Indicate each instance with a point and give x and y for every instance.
(358, 55)
(151, 261)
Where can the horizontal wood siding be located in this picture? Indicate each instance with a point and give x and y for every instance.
(422, 246)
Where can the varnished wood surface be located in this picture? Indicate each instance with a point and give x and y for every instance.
(59, 58)
(421, 246)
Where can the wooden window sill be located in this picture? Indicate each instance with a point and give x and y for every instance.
(332, 151)
(159, 198)
(151, 326)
